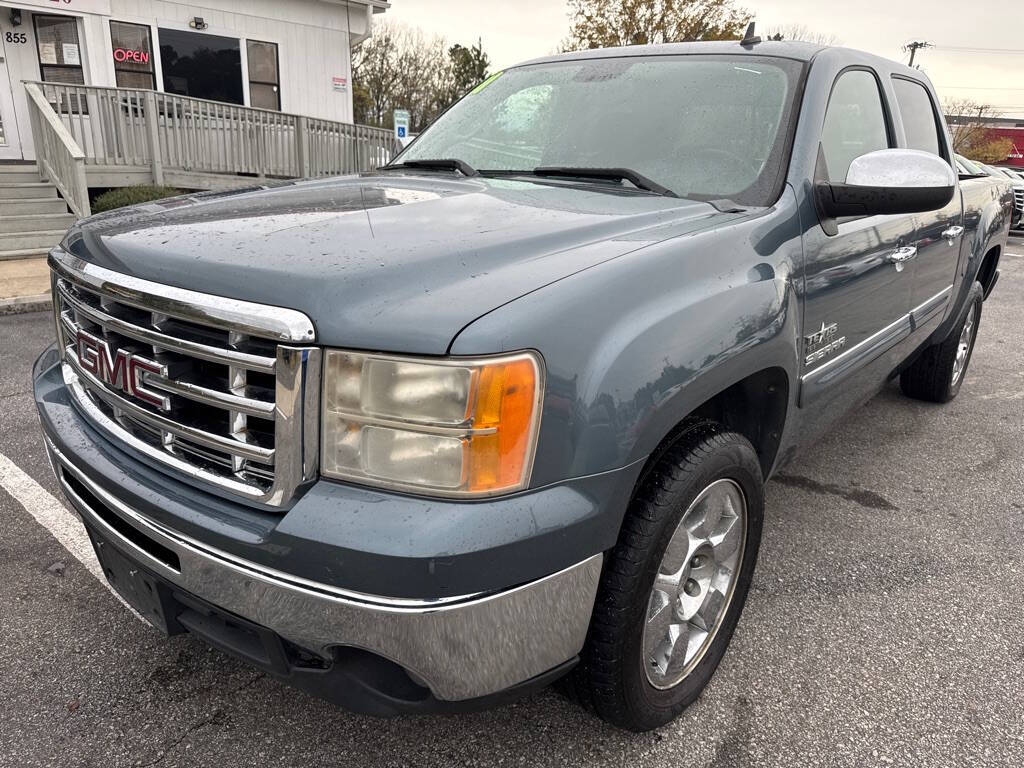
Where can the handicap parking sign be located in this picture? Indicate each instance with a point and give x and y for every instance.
(401, 120)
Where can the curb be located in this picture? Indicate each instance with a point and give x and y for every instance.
(22, 304)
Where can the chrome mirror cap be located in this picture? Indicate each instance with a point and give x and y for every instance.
(901, 169)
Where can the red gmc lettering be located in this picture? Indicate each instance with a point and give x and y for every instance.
(139, 366)
(122, 370)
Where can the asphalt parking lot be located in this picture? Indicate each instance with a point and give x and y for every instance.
(885, 626)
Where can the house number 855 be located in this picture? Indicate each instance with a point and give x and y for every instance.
(15, 37)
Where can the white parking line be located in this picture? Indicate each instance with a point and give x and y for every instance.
(62, 524)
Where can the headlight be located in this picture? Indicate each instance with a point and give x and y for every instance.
(444, 427)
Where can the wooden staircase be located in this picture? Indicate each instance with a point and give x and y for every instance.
(33, 219)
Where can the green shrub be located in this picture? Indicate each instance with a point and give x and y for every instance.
(119, 197)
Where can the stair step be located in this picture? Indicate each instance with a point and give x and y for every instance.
(35, 222)
(18, 176)
(24, 277)
(17, 241)
(23, 253)
(21, 190)
(30, 205)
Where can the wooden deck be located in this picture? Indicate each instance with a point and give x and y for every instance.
(88, 136)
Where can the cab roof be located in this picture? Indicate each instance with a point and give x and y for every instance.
(779, 48)
(785, 49)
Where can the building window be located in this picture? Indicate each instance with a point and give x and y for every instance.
(204, 66)
(60, 56)
(264, 78)
(133, 55)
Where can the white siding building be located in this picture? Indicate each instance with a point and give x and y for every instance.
(288, 55)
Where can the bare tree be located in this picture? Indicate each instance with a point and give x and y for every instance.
(375, 74)
(968, 122)
(399, 67)
(968, 126)
(801, 32)
(605, 23)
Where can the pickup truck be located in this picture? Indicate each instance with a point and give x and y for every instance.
(502, 411)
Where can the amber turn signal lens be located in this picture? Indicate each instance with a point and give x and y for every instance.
(459, 427)
(504, 420)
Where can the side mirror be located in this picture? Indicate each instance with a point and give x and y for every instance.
(889, 181)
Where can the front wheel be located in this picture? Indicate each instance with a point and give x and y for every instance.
(675, 583)
(937, 374)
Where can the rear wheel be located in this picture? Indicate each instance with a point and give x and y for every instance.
(675, 583)
(936, 376)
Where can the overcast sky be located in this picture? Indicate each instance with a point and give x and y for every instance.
(515, 30)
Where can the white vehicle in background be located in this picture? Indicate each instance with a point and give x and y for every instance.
(1017, 181)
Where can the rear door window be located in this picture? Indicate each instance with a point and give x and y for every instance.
(920, 122)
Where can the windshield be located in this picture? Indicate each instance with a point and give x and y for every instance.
(705, 127)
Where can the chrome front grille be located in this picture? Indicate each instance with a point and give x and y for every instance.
(224, 391)
(1018, 199)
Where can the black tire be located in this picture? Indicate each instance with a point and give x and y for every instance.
(930, 376)
(611, 678)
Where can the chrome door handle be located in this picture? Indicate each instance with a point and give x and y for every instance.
(901, 256)
(952, 233)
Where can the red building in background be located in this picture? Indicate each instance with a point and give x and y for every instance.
(1016, 135)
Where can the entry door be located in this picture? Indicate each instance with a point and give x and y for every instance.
(10, 142)
(857, 290)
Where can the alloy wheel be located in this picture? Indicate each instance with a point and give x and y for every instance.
(695, 583)
(963, 347)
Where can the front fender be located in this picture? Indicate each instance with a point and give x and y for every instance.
(634, 345)
(666, 361)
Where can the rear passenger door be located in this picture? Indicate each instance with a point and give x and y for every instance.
(938, 233)
(857, 300)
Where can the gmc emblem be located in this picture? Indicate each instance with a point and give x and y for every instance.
(121, 371)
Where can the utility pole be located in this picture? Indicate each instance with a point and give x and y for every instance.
(914, 47)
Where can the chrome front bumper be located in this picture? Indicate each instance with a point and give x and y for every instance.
(461, 648)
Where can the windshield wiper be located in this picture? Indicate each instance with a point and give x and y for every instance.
(440, 164)
(638, 180)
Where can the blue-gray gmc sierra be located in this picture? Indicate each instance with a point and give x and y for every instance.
(503, 410)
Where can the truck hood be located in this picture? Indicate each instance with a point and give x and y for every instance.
(383, 262)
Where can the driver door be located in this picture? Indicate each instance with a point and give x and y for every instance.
(857, 298)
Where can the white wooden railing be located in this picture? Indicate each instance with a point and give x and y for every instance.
(59, 157)
(178, 139)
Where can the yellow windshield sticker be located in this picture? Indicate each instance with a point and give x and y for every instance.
(487, 82)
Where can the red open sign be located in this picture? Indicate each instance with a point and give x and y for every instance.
(125, 54)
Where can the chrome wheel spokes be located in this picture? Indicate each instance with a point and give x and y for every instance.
(695, 583)
(963, 347)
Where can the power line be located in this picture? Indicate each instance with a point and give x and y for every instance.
(965, 49)
(977, 88)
